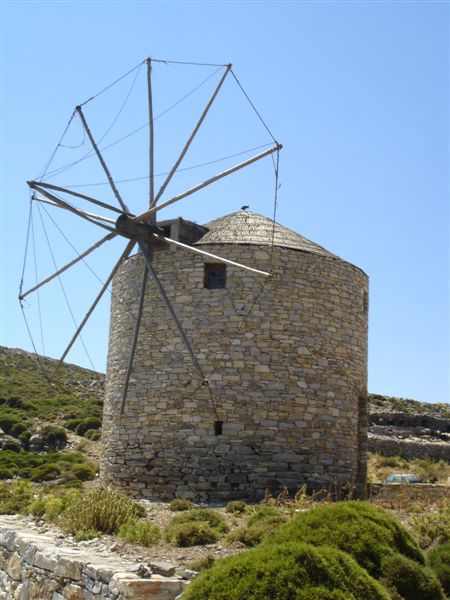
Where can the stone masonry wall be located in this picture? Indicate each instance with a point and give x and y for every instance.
(38, 567)
(289, 381)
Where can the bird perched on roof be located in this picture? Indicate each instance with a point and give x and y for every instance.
(245, 207)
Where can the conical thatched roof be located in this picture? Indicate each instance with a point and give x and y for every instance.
(246, 227)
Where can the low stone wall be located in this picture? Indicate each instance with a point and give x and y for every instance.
(37, 567)
(419, 491)
(408, 449)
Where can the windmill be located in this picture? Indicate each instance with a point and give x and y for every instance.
(141, 230)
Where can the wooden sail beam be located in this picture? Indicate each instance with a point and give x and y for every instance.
(102, 161)
(192, 136)
(148, 259)
(135, 339)
(84, 212)
(147, 214)
(215, 257)
(125, 255)
(107, 238)
(58, 188)
(151, 172)
(67, 206)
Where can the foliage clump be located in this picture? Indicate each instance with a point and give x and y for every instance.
(410, 580)
(439, 561)
(180, 504)
(236, 507)
(366, 532)
(140, 532)
(101, 510)
(291, 570)
(67, 466)
(431, 526)
(14, 498)
(259, 526)
(196, 527)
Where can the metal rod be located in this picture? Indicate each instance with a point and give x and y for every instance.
(193, 134)
(108, 237)
(102, 162)
(57, 188)
(148, 259)
(135, 339)
(125, 254)
(144, 216)
(209, 255)
(69, 207)
(84, 212)
(151, 135)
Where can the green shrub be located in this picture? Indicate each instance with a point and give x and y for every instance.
(8, 421)
(284, 572)
(429, 527)
(411, 580)
(194, 533)
(19, 428)
(54, 437)
(262, 513)
(88, 423)
(180, 504)
(46, 472)
(53, 508)
(439, 561)
(236, 507)
(83, 472)
(202, 563)
(140, 532)
(87, 534)
(6, 473)
(368, 533)
(12, 445)
(93, 434)
(103, 510)
(72, 424)
(204, 515)
(253, 535)
(14, 498)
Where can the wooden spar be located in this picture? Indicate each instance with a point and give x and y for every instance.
(102, 162)
(125, 254)
(68, 207)
(193, 134)
(135, 339)
(57, 188)
(144, 216)
(218, 258)
(88, 214)
(151, 135)
(148, 259)
(107, 238)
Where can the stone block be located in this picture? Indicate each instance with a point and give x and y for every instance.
(14, 566)
(162, 568)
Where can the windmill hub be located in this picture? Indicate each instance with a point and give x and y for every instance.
(134, 230)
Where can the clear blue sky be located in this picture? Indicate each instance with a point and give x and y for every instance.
(357, 92)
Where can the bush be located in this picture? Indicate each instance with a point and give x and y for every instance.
(93, 434)
(15, 497)
(253, 535)
(411, 580)
(8, 421)
(236, 507)
(196, 527)
(439, 561)
(102, 510)
(53, 508)
(87, 534)
(180, 504)
(287, 571)
(72, 424)
(202, 563)
(140, 532)
(19, 428)
(194, 533)
(54, 437)
(368, 533)
(83, 472)
(46, 472)
(429, 527)
(6, 473)
(88, 423)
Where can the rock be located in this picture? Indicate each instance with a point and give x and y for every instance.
(163, 568)
(14, 567)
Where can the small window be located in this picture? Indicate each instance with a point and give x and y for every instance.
(215, 276)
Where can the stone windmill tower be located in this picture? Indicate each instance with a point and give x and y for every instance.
(283, 401)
